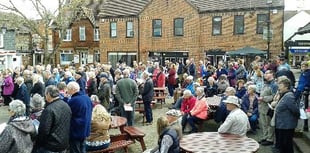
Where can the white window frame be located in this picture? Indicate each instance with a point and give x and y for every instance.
(113, 30)
(65, 53)
(82, 32)
(129, 29)
(1, 41)
(96, 34)
(68, 36)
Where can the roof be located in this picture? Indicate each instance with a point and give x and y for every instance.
(289, 14)
(304, 30)
(115, 8)
(218, 5)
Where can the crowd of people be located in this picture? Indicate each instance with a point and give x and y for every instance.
(71, 104)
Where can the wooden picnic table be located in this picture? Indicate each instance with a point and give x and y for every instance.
(211, 142)
(118, 122)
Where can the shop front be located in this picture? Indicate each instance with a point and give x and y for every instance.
(174, 56)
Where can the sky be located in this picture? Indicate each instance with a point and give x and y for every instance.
(26, 7)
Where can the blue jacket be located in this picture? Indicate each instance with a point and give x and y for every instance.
(240, 92)
(23, 95)
(221, 112)
(287, 112)
(82, 84)
(220, 72)
(246, 104)
(190, 87)
(304, 81)
(81, 107)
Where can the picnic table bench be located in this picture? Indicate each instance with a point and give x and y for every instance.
(136, 134)
(160, 96)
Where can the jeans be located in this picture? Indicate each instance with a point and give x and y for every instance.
(184, 121)
(171, 89)
(148, 111)
(253, 121)
(43, 150)
(191, 121)
(77, 146)
(178, 103)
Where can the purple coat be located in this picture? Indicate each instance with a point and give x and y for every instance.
(8, 86)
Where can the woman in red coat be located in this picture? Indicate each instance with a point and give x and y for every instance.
(160, 78)
(171, 79)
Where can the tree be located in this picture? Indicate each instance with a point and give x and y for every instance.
(60, 19)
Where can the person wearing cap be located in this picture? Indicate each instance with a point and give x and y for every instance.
(237, 121)
(19, 131)
(81, 81)
(104, 90)
(54, 128)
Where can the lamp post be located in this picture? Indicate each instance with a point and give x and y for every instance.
(269, 2)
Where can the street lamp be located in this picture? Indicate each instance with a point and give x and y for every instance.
(3, 29)
(269, 3)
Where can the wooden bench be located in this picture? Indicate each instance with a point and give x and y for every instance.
(136, 134)
(160, 95)
(117, 142)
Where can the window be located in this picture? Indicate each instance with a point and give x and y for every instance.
(217, 25)
(129, 31)
(68, 35)
(126, 57)
(178, 27)
(97, 56)
(96, 34)
(113, 29)
(261, 22)
(82, 34)
(239, 24)
(66, 58)
(1, 41)
(157, 28)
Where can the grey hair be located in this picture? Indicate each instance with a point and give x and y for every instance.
(37, 101)
(20, 80)
(200, 89)
(18, 107)
(52, 91)
(187, 92)
(231, 91)
(126, 73)
(73, 86)
(145, 74)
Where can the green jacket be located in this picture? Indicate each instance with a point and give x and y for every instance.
(126, 91)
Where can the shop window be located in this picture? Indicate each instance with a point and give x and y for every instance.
(66, 58)
(121, 57)
(178, 27)
(129, 31)
(157, 28)
(261, 22)
(239, 24)
(217, 25)
(113, 30)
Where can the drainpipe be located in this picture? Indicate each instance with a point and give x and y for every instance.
(139, 54)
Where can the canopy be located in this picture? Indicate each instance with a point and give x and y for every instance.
(246, 51)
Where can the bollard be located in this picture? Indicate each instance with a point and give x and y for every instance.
(306, 94)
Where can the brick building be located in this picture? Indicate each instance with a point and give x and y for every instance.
(177, 29)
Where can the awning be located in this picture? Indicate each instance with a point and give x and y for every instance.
(246, 51)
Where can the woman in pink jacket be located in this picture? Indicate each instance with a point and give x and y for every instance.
(7, 87)
(200, 110)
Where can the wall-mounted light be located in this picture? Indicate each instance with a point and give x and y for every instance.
(3, 29)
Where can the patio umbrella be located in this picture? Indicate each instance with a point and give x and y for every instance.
(246, 51)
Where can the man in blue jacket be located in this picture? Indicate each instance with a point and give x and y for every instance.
(81, 107)
(304, 80)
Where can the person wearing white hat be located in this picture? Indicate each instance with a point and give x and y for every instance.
(237, 121)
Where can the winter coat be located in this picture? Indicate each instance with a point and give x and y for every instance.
(148, 90)
(17, 136)
(8, 86)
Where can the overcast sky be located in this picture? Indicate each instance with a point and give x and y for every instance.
(26, 7)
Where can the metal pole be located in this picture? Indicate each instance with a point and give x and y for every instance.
(306, 94)
(268, 32)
